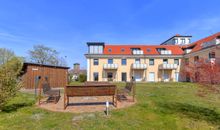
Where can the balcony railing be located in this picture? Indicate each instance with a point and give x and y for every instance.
(139, 66)
(110, 66)
(138, 52)
(165, 52)
(188, 51)
(168, 66)
(218, 41)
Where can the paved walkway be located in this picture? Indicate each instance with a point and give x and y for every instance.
(84, 104)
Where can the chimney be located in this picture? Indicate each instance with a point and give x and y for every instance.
(76, 66)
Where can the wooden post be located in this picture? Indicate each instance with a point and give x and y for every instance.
(39, 92)
(113, 100)
(133, 91)
(115, 96)
(64, 98)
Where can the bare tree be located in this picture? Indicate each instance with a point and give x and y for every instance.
(203, 71)
(5, 55)
(46, 55)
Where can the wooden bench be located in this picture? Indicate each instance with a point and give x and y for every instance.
(128, 89)
(90, 90)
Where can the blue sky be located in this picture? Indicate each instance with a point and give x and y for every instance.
(66, 25)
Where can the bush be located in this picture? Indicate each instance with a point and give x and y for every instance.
(9, 83)
(82, 78)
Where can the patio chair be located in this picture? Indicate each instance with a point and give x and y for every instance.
(124, 92)
(53, 95)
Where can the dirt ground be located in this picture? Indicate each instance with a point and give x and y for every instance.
(84, 104)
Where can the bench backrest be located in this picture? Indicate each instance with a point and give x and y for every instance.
(46, 88)
(95, 83)
(129, 86)
(90, 90)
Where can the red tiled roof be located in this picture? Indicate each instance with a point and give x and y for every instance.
(117, 49)
(198, 43)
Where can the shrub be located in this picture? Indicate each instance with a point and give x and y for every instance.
(82, 78)
(9, 83)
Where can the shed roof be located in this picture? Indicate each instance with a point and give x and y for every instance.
(45, 65)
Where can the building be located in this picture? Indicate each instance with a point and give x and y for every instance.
(76, 71)
(147, 63)
(178, 40)
(34, 73)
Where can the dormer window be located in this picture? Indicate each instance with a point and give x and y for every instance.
(135, 49)
(95, 47)
(175, 41)
(211, 55)
(160, 49)
(183, 41)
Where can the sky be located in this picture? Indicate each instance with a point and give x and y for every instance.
(66, 25)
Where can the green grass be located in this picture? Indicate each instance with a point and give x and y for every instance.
(160, 106)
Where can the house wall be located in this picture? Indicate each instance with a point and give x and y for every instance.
(57, 76)
(203, 53)
(128, 68)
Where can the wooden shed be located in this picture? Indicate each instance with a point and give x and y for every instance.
(34, 73)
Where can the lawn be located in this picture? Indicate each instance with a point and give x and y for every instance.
(160, 106)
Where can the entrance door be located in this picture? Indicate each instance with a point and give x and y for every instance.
(177, 76)
(124, 77)
(165, 77)
(137, 76)
(151, 77)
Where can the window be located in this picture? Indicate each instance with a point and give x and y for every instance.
(196, 58)
(175, 41)
(123, 61)
(148, 50)
(96, 62)
(176, 61)
(124, 76)
(135, 49)
(189, 40)
(110, 76)
(109, 50)
(176, 76)
(151, 61)
(137, 61)
(211, 55)
(165, 61)
(187, 61)
(151, 77)
(160, 49)
(183, 41)
(95, 49)
(110, 61)
(122, 50)
(96, 76)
